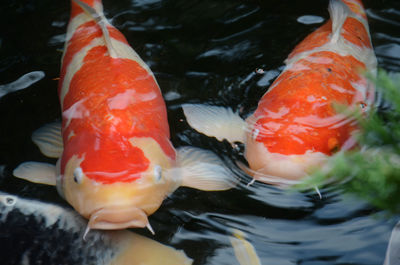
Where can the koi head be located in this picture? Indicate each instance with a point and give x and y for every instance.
(115, 184)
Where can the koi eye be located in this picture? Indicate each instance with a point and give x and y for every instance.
(78, 175)
(157, 173)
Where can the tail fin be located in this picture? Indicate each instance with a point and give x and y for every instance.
(96, 12)
(77, 9)
(338, 11)
(356, 6)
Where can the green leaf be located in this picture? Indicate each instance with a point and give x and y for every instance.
(373, 171)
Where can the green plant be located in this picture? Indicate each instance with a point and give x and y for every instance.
(371, 171)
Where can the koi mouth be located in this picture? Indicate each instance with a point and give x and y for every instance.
(116, 217)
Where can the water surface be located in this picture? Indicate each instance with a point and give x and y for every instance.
(202, 52)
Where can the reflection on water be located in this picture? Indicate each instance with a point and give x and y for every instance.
(23, 82)
(203, 52)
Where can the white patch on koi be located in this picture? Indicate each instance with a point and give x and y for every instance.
(340, 89)
(71, 134)
(311, 98)
(126, 52)
(296, 139)
(315, 121)
(76, 22)
(79, 20)
(124, 99)
(319, 60)
(295, 129)
(361, 87)
(121, 100)
(147, 96)
(123, 50)
(75, 65)
(298, 67)
(276, 115)
(76, 111)
(272, 126)
(342, 47)
(109, 117)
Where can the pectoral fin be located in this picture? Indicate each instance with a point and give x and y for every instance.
(221, 123)
(203, 170)
(393, 249)
(244, 250)
(49, 140)
(36, 172)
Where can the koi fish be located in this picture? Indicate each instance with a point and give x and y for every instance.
(42, 244)
(296, 126)
(116, 162)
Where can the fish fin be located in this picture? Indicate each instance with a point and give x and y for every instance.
(339, 13)
(203, 170)
(258, 175)
(102, 22)
(36, 172)
(244, 250)
(49, 140)
(219, 122)
(393, 250)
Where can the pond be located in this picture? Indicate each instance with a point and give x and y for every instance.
(200, 52)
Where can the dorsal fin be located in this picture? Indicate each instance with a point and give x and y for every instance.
(339, 12)
(102, 22)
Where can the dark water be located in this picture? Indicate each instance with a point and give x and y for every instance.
(200, 51)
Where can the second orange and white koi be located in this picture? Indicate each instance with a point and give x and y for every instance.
(296, 127)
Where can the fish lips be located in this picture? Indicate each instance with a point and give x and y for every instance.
(117, 217)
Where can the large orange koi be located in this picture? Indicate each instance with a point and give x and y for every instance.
(116, 162)
(296, 126)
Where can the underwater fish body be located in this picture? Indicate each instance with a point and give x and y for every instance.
(296, 125)
(116, 162)
(112, 111)
(44, 225)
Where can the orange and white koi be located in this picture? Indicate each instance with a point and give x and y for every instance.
(296, 126)
(116, 162)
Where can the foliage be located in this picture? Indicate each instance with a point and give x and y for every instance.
(373, 170)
